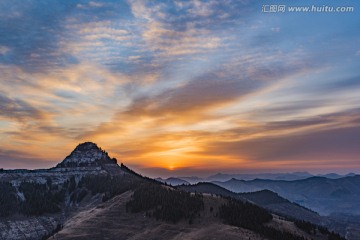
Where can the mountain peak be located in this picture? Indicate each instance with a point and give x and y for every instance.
(87, 145)
(87, 154)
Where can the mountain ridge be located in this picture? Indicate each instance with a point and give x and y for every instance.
(88, 178)
(290, 176)
(264, 198)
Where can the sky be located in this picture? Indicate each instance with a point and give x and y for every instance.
(175, 88)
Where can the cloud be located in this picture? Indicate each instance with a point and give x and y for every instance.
(194, 96)
(90, 4)
(194, 104)
(169, 42)
(326, 142)
(342, 84)
(140, 10)
(4, 50)
(98, 40)
(204, 9)
(41, 108)
(178, 36)
(12, 159)
(32, 37)
(18, 109)
(38, 32)
(228, 82)
(325, 148)
(286, 108)
(83, 79)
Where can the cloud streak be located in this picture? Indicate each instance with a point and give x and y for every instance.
(18, 109)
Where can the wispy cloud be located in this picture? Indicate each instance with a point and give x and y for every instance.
(17, 109)
(175, 37)
(90, 4)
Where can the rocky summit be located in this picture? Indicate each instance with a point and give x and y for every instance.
(87, 154)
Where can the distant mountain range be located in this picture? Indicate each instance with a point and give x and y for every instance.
(322, 194)
(222, 177)
(325, 196)
(172, 181)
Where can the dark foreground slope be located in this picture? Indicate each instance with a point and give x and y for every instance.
(110, 220)
(114, 220)
(265, 198)
(347, 225)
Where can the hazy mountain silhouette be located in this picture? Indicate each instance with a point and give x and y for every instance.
(223, 177)
(172, 181)
(321, 194)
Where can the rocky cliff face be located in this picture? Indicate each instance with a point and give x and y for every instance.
(28, 228)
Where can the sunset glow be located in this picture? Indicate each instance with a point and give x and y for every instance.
(180, 87)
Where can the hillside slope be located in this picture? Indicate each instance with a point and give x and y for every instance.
(112, 221)
(265, 198)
